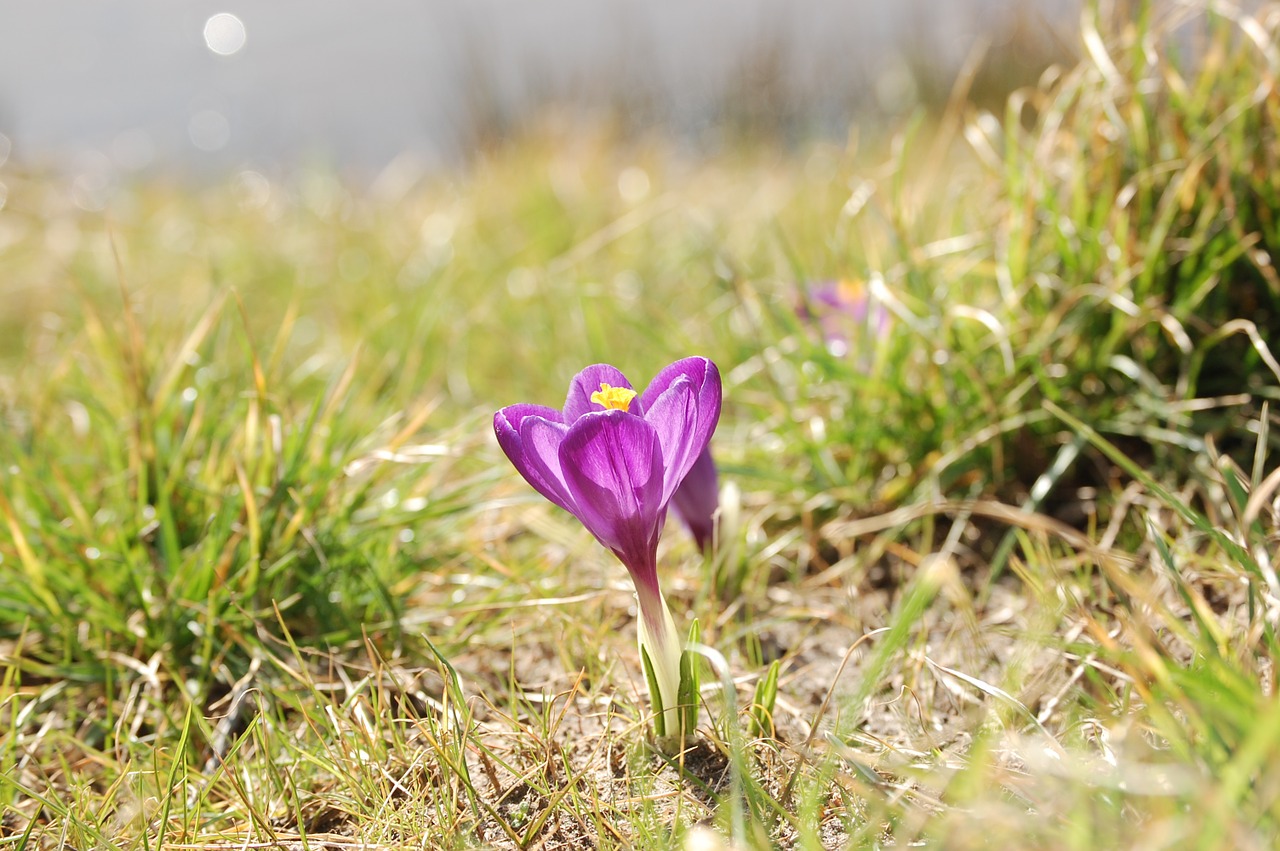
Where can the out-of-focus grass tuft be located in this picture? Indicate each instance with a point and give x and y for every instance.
(1001, 522)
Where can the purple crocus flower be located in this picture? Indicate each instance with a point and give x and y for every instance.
(614, 458)
(845, 314)
(698, 498)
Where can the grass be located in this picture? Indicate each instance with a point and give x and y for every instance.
(265, 579)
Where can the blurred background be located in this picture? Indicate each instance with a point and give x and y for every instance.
(109, 92)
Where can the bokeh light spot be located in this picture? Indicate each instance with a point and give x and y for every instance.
(133, 149)
(253, 188)
(633, 184)
(224, 34)
(209, 130)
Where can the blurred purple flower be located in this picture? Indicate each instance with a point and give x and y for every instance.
(697, 500)
(845, 314)
(614, 459)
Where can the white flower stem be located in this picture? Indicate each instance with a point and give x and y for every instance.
(660, 644)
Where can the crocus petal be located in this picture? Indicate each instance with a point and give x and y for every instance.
(612, 464)
(578, 403)
(674, 416)
(701, 372)
(512, 416)
(667, 408)
(698, 498)
(530, 435)
(542, 439)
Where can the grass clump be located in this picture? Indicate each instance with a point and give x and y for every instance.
(995, 569)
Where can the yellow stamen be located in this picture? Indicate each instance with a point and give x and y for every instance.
(613, 397)
(849, 291)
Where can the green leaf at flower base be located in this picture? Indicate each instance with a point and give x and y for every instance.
(655, 693)
(766, 695)
(690, 687)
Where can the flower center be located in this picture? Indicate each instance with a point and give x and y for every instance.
(613, 397)
(850, 291)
